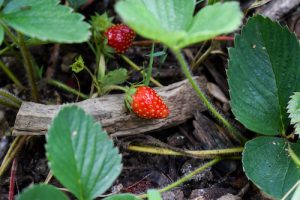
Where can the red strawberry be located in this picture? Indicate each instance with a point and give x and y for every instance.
(120, 37)
(146, 103)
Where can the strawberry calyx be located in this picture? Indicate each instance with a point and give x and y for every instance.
(130, 91)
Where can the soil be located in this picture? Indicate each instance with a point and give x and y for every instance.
(141, 171)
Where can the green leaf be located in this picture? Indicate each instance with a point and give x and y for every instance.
(213, 20)
(115, 77)
(81, 155)
(153, 195)
(263, 73)
(42, 191)
(76, 3)
(46, 20)
(294, 111)
(1, 34)
(122, 197)
(267, 163)
(172, 21)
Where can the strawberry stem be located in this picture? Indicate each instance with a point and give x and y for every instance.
(114, 87)
(137, 68)
(199, 154)
(149, 71)
(187, 177)
(185, 69)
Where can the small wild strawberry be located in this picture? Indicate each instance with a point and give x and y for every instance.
(120, 37)
(146, 103)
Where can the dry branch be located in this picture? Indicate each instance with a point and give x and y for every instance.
(275, 9)
(34, 119)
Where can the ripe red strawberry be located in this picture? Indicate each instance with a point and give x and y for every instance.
(120, 37)
(146, 103)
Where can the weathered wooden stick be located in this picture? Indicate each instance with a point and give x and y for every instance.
(34, 119)
(275, 9)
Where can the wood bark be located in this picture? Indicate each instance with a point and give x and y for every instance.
(275, 9)
(34, 118)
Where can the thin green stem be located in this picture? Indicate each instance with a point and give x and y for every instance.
(95, 82)
(29, 68)
(13, 150)
(137, 68)
(150, 66)
(10, 97)
(4, 50)
(187, 177)
(113, 87)
(8, 104)
(66, 88)
(8, 32)
(11, 75)
(199, 154)
(185, 69)
(293, 155)
(201, 58)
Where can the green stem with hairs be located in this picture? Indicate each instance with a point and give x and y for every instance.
(29, 68)
(10, 97)
(185, 69)
(8, 32)
(293, 155)
(201, 58)
(187, 177)
(8, 104)
(113, 87)
(13, 150)
(11, 75)
(137, 68)
(199, 154)
(66, 88)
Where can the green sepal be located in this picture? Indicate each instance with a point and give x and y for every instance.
(101, 22)
(78, 65)
(128, 97)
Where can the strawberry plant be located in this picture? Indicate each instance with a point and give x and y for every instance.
(173, 23)
(39, 20)
(263, 74)
(263, 71)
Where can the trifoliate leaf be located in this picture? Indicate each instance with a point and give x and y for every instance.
(294, 111)
(46, 20)
(173, 22)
